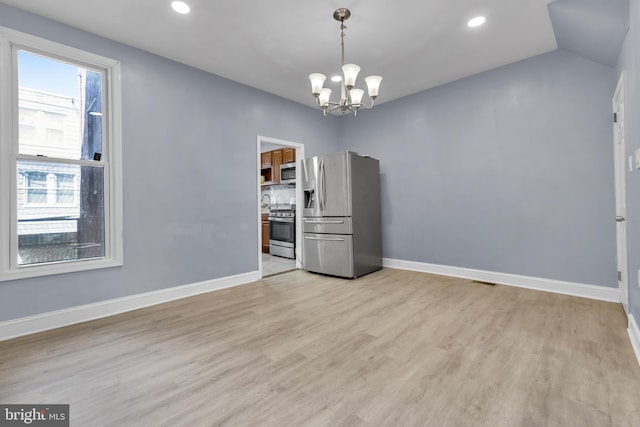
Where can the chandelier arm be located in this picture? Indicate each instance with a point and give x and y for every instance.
(368, 107)
(330, 102)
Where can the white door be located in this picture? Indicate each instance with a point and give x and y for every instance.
(621, 191)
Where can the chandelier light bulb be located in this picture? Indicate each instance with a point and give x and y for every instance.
(324, 96)
(373, 85)
(356, 97)
(350, 72)
(317, 80)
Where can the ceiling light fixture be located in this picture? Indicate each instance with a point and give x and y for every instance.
(180, 7)
(476, 22)
(350, 97)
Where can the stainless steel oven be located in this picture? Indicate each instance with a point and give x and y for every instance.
(288, 173)
(282, 232)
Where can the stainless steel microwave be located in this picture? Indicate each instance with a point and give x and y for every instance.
(288, 173)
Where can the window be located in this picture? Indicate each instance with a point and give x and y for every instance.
(36, 187)
(50, 188)
(65, 189)
(60, 159)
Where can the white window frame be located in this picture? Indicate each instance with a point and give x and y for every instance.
(111, 156)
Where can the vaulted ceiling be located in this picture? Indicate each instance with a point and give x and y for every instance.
(414, 44)
(592, 28)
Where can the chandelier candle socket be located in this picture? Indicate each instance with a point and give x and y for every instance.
(351, 97)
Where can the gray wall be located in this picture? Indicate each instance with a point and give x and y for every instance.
(509, 171)
(190, 193)
(630, 64)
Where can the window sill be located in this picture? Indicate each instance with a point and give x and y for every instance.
(62, 267)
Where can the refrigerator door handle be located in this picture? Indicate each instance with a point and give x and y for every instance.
(319, 185)
(329, 239)
(324, 187)
(304, 169)
(321, 221)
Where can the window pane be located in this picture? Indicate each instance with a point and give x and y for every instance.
(60, 212)
(59, 108)
(65, 188)
(36, 187)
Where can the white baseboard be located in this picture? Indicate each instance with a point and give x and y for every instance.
(634, 336)
(556, 286)
(56, 319)
(83, 313)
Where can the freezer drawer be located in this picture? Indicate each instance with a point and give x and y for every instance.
(329, 254)
(329, 225)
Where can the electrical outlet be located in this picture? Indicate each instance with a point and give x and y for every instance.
(638, 158)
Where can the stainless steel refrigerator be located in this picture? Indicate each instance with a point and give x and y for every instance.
(341, 214)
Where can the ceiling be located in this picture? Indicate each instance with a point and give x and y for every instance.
(274, 45)
(595, 29)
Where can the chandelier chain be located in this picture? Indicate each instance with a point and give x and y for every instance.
(342, 28)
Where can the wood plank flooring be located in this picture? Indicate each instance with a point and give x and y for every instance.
(394, 348)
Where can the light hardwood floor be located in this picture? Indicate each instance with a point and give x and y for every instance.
(394, 348)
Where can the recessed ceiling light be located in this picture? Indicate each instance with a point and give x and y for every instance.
(476, 22)
(336, 78)
(180, 7)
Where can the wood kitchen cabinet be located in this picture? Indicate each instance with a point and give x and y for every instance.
(276, 161)
(266, 169)
(270, 162)
(265, 233)
(288, 155)
(265, 159)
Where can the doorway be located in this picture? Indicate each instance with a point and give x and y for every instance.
(620, 166)
(278, 209)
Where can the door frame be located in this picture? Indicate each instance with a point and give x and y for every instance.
(260, 139)
(620, 177)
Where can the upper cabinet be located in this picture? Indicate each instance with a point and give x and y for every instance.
(265, 159)
(276, 161)
(288, 155)
(266, 171)
(270, 162)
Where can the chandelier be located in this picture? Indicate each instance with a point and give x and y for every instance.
(350, 97)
